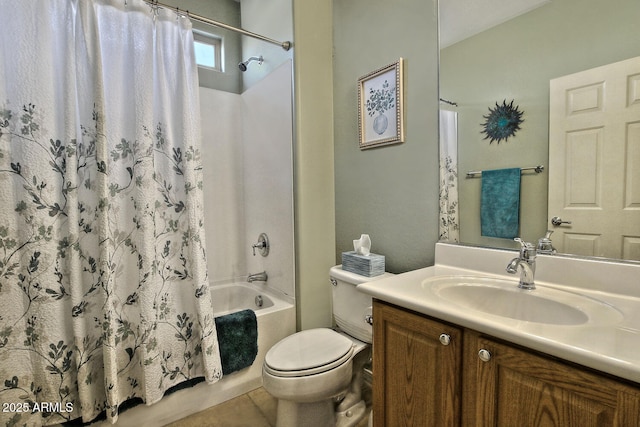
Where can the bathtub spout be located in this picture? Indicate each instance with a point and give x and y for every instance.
(258, 277)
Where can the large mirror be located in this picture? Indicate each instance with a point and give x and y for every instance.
(513, 54)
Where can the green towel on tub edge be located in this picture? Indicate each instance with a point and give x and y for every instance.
(500, 203)
(238, 340)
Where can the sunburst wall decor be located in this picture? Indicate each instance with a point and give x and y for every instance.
(502, 122)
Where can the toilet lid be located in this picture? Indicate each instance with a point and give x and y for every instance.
(308, 352)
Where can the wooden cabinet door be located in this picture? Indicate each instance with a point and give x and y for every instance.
(416, 378)
(518, 388)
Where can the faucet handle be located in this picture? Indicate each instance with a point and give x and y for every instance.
(523, 244)
(262, 245)
(526, 249)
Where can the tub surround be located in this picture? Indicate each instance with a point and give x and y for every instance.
(607, 347)
(248, 180)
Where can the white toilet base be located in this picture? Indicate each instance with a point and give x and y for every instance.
(296, 414)
(352, 416)
(318, 414)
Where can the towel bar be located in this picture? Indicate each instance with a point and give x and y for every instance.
(537, 169)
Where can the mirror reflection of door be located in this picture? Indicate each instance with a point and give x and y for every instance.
(594, 126)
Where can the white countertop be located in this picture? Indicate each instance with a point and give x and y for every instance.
(613, 347)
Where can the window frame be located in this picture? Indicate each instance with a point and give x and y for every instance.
(217, 43)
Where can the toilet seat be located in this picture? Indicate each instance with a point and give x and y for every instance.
(308, 352)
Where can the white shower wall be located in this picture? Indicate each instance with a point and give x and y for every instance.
(248, 180)
(223, 184)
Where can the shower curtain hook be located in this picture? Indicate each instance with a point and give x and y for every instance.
(154, 8)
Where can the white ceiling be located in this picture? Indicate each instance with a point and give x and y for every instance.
(460, 19)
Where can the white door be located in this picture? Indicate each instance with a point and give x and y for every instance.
(594, 161)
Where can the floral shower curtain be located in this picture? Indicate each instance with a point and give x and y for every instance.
(449, 222)
(103, 283)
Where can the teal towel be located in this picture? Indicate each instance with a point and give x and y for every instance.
(238, 340)
(500, 203)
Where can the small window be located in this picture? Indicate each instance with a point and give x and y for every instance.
(208, 51)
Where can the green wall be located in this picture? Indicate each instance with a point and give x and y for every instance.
(516, 60)
(391, 192)
(313, 164)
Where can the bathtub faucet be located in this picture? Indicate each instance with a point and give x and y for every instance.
(258, 277)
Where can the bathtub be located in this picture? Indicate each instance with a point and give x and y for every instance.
(238, 296)
(276, 319)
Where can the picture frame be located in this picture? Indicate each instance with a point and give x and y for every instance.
(381, 106)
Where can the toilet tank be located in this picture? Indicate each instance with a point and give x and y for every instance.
(350, 306)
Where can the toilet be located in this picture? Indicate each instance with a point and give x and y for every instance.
(316, 374)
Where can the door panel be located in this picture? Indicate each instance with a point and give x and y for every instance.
(594, 161)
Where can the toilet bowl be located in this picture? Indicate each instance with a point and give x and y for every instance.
(309, 366)
(316, 374)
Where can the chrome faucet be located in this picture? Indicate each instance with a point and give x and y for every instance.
(544, 244)
(527, 263)
(258, 277)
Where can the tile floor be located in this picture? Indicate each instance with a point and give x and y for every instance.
(254, 409)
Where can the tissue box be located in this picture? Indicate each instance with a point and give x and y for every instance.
(365, 265)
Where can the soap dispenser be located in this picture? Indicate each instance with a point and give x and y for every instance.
(544, 244)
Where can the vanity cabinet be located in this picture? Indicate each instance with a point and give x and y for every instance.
(508, 386)
(416, 369)
(476, 380)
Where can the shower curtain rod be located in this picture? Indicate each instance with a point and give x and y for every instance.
(286, 45)
(455, 104)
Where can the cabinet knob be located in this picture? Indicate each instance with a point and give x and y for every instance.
(445, 339)
(484, 355)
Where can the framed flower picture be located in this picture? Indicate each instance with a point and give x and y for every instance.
(380, 107)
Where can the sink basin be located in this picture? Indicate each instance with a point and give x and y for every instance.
(503, 298)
